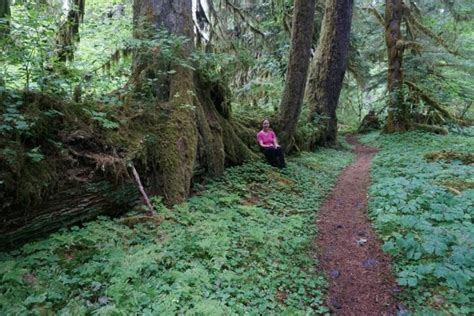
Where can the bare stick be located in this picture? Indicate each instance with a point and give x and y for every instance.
(142, 190)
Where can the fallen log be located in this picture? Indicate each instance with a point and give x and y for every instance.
(70, 206)
(431, 128)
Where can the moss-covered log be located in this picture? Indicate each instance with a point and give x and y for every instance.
(431, 128)
(67, 207)
(78, 174)
(369, 123)
(433, 103)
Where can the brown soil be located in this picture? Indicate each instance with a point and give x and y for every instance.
(348, 250)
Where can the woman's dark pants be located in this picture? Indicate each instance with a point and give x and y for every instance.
(274, 156)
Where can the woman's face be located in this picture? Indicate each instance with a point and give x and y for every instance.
(265, 124)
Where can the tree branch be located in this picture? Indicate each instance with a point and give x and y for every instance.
(377, 15)
(244, 19)
(431, 102)
(425, 30)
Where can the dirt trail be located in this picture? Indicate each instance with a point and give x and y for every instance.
(347, 248)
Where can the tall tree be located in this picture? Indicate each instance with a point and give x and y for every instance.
(300, 52)
(192, 113)
(328, 67)
(4, 13)
(69, 30)
(398, 115)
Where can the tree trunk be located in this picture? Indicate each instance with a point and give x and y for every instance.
(300, 52)
(328, 67)
(4, 8)
(194, 127)
(69, 31)
(72, 205)
(4, 14)
(397, 120)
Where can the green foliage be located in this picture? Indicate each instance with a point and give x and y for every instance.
(29, 51)
(101, 117)
(425, 223)
(25, 50)
(35, 154)
(442, 75)
(240, 245)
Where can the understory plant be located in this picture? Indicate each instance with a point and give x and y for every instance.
(240, 245)
(422, 204)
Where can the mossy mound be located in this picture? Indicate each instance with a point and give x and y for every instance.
(466, 158)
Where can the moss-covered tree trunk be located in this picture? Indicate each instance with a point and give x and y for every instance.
(68, 32)
(328, 67)
(194, 130)
(4, 13)
(300, 52)
(398, 116)
(4, 8)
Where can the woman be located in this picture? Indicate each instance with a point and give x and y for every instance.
(268, 142)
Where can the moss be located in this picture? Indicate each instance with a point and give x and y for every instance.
(178, 139)
(431, 128)
(466, 158)
(457, 186)
(32, 161)
(167, 142)
(307, 136)
(132, 221)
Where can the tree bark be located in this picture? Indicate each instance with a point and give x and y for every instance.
(4, 13)
(398, 116)
(4, 8)
(300, 52)
(69, 31)
(328, 67)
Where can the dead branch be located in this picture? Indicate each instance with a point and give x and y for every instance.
(433, 103)
(425, 30)
(377, 15)
(244, 19)
(142, 190)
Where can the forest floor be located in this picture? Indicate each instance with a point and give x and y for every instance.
(246, 242)
(361, 282)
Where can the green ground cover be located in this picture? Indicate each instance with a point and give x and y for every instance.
(423, 209)
(242, 245)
